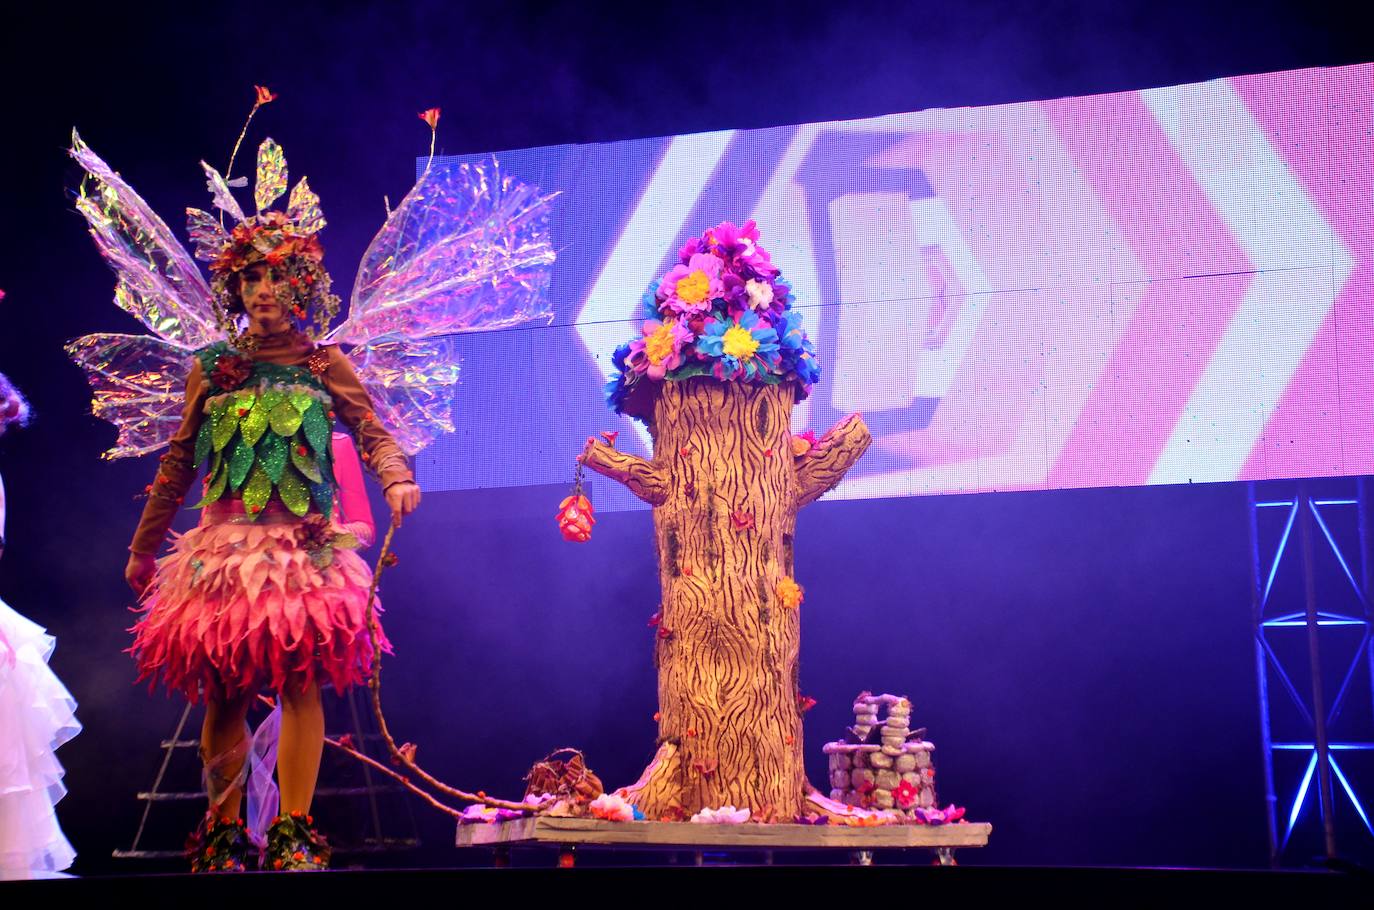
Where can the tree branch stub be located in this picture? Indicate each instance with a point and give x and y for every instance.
(640, 476)
(820, 470)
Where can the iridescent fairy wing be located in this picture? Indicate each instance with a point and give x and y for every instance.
(137, 384)
(412, 384)
(466, 250)
(155, 278)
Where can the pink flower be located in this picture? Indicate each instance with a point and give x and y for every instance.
(905, 794)
(803, 443)
(660, 348)
(689, 289)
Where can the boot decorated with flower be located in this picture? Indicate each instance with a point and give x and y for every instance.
(218, 845)
(293, 845)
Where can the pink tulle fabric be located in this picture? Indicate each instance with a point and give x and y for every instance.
(237, 606)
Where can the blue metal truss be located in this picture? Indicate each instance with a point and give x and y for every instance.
(1304, 529)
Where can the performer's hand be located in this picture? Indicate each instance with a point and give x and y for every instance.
(139, 572)
(403, 498)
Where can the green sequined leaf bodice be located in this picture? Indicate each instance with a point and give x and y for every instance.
(265, 431)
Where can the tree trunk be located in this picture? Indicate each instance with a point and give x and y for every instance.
(726, 487)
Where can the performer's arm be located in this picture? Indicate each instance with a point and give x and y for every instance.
(380, 451)
(176, 472)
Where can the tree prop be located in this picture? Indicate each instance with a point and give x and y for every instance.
(715, 378)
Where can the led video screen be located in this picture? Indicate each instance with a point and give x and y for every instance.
(1154, 287)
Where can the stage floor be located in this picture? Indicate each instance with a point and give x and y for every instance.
(723, 884)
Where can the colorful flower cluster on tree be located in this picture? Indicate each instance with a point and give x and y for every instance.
(723, 311)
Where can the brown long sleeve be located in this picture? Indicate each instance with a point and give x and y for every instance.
(177, 471)
(354, 407)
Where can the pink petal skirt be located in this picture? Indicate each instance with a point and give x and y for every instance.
(238, 606)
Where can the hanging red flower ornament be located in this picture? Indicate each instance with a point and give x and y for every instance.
(575, 518)
(575, 513)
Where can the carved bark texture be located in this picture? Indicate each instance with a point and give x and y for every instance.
(726, 488)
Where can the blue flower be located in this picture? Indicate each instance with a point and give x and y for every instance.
(650, 302)
(620, 383)
(791, 337)
(742, 348)
(798, 354)
(808, 369)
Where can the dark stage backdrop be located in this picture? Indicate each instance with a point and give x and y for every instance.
(1082, 659)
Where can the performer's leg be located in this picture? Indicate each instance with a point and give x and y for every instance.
(224, 745)
(302, 740)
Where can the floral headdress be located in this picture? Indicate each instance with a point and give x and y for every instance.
(725, 311)
(286, 241)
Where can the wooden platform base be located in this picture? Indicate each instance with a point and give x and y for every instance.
(568, 833)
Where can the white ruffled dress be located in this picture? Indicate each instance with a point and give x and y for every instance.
(37, 714)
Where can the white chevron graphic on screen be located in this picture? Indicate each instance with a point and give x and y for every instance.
(1281, 313)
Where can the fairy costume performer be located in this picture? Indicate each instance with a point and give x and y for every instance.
(265, 591)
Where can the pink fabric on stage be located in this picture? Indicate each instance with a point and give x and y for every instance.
(239, 605)
(355, 511)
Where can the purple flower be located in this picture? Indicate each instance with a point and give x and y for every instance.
(691, 248)
(731, 242)
(740, 247)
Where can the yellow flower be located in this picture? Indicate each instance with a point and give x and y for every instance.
(693, 288)
(790, 593)
(739, 342)
(658, 347)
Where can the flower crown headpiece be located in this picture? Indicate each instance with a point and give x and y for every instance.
(725, 311)
(285, 241)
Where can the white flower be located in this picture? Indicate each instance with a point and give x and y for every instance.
(760, 293)
(613, 808)
(725, 815)
(479, 814)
